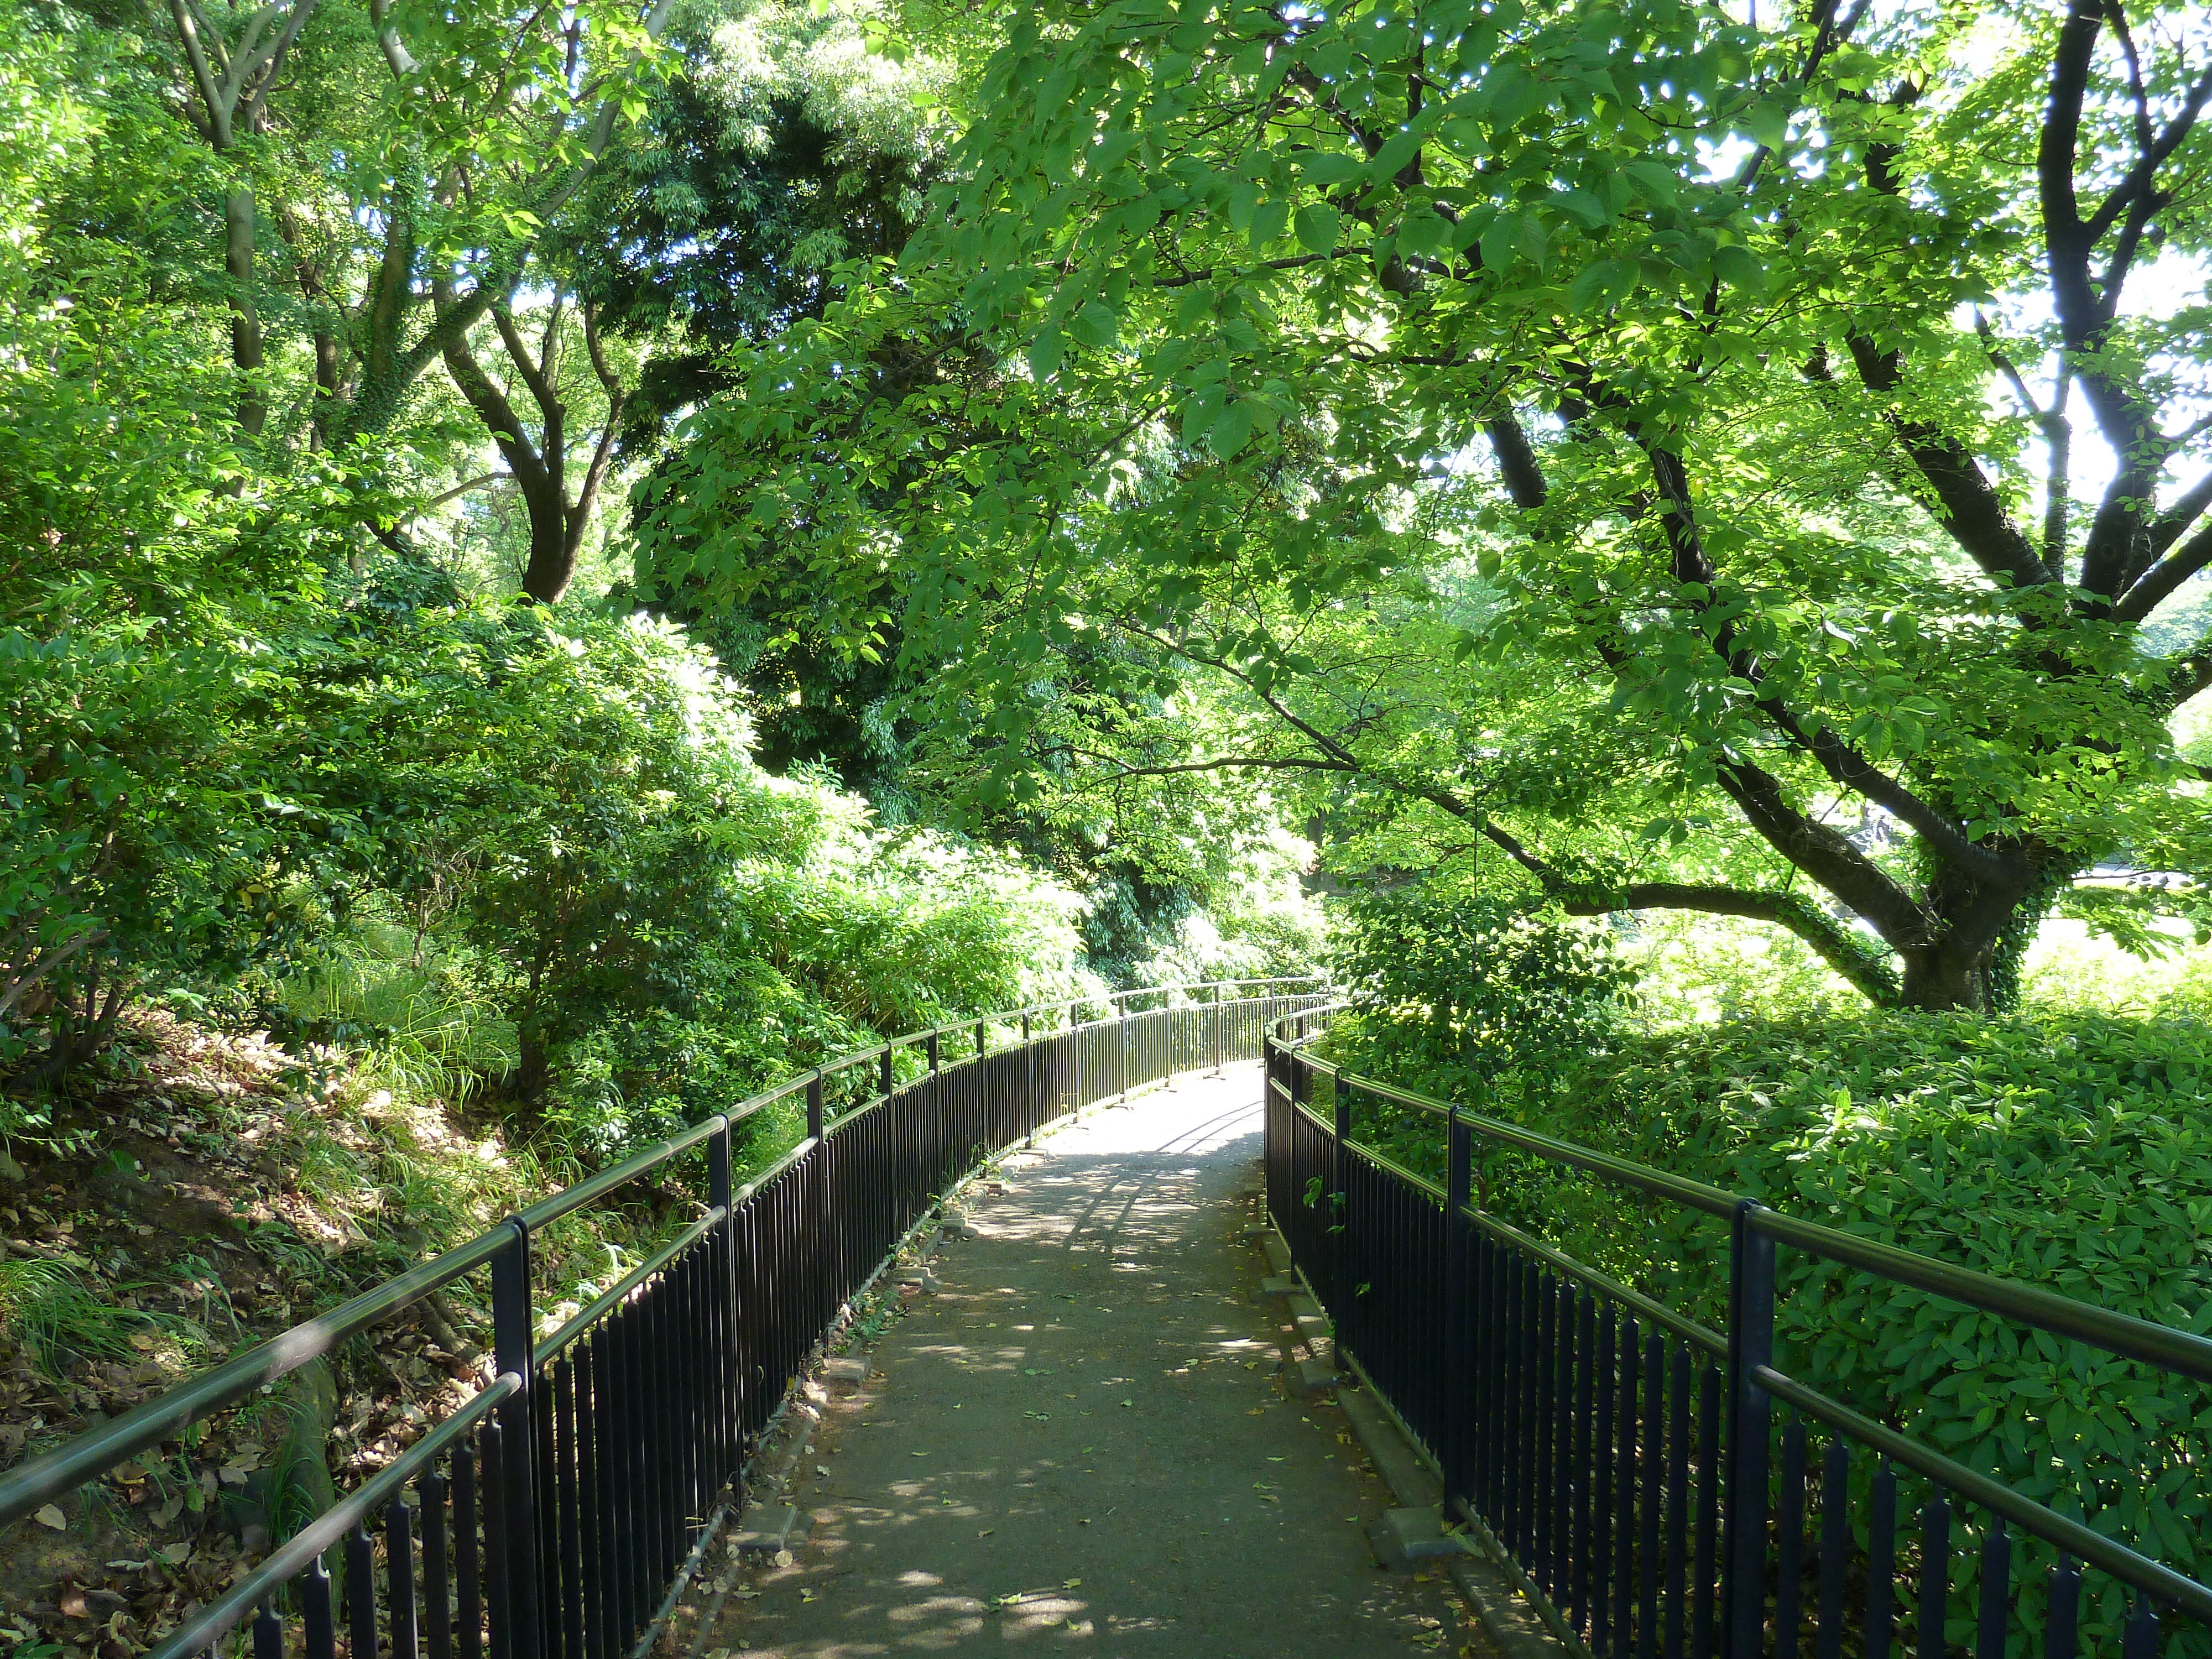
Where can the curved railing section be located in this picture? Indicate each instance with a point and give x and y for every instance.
(552, 1515)
(1656, 1487)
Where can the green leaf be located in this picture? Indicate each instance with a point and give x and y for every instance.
(1597, 287)
(1501, 241)
(1318, 225)
(1423, 231)
(1269, 223)
(1045, 351)
(1231, 430)
(1098, 325)
(1739, 267)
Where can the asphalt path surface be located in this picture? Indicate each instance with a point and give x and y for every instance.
(1082, 1442)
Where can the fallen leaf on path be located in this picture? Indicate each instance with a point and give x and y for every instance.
(809, 1595)
(987, 1532)
(1070, 1584)
(52, 1516)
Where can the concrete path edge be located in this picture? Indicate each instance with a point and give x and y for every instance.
(1511, 1611)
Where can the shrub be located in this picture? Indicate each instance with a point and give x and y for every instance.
(1470, 996)
(2068, 1149)
(568, 831)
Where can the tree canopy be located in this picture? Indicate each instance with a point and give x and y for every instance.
(1756, 466)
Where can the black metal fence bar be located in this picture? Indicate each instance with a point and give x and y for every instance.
(1662, 1490)
(549, 1517)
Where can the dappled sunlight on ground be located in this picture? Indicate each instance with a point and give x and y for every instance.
(1081, 1442)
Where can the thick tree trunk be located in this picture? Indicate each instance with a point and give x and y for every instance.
(1968, 958)
(552, 553)
(533, 1070)
(328, 407)
(1951, 976)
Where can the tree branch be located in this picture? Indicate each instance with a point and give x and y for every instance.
(1844, 763)
(388, 42)
(1874, 978)
(2188, 507)
(2152, 587)
(1823, 853)
(498, 416)
(1516, 461)
(458, 490)
(1866, 972)
(525, 361)
(218, 129)
(1966, 503)
(1223, 764)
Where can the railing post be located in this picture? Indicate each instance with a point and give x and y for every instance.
(1340, 1212)
(889, 1077)
(1459, 1347)
(982, 1028)
(814, 1106)
(721, 1194)
(932, 1051)
(1751, 1345)
(513, 1336)
(1121, 1062)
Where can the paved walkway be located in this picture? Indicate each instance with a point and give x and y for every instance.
(1081, 1442)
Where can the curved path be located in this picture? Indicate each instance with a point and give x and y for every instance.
(1082, 1443)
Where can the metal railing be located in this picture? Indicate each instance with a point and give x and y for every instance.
(1659, 1488)
(554, 1515)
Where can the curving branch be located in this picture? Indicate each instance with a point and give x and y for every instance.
(1860, 963)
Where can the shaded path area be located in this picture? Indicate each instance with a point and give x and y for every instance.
(1082, 1441)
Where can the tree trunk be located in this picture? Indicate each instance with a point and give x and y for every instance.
(245, 313)
(552, 554)
(1970, 960)
(1951, 976)
(329, 371)
(534, 1068)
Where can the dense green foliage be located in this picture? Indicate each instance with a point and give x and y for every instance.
(279, 750)
(2064, 1147)
(1479, 997)
(568, 561)
(1582, 410)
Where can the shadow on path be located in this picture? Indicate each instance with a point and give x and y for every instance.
(1081, 1442)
